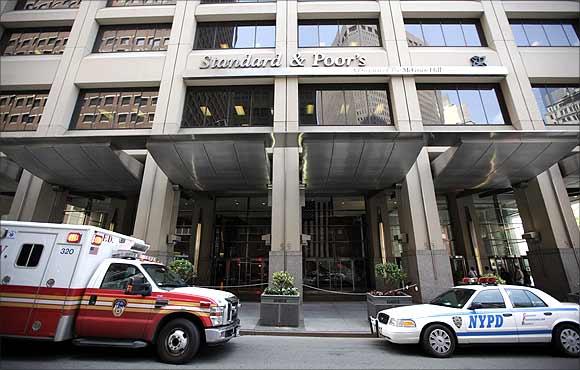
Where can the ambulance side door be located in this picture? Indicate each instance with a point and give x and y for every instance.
(25, 255)
(491, 319)
(107, 311)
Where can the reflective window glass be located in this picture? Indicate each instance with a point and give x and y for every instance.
(227, 35)
(379, 112)
(492, 107)
(571, 34)
(472, 107)
(240, 108)
(328, 34)
(453, 35)
(491, 298)
(414, 35)
(342, 33)
(452, 112)
(558, 104)
(536, 35)
(520, 35)
(308, 36)
(433, 35)
(556, 35)
(244, 36)
(265, 36)
(472, 34)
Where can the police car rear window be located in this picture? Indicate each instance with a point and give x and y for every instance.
(29, 255)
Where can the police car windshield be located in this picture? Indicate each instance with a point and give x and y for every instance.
(164, 277)
(455, 298)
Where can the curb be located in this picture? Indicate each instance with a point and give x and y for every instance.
(328, 334)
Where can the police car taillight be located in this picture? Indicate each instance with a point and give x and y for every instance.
(73, 238)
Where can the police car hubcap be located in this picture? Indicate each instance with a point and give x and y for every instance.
(570, 340)
(177, 341)
(439, 341)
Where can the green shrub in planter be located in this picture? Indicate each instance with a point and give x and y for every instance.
(184, 269)
(282, 284)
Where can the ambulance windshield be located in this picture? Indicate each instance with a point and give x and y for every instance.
(455, 298)
(164, 277)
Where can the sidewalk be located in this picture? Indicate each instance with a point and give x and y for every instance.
(333, 319)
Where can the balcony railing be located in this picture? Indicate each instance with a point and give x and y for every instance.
(46, 4)
(123, 3)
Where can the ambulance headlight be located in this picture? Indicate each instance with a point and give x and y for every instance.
(404, 323)
(217, 315)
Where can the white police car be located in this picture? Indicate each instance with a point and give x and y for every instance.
(483, 314)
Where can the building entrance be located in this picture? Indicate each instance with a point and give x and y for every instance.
(335, 258)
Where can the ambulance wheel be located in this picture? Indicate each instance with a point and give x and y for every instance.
(438, 341)
(178, 342)
(567, 340)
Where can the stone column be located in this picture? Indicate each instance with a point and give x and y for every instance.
(377, 213)
(204, 214)
(158, 204)
(555, 255)
(286, 252)
(38, 201)
(425, 258)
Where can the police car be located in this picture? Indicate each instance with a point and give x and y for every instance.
(485, 313)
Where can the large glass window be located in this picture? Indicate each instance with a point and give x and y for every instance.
(235, 35)
(34, 41)
(229, 106)
(46, 4)
(338, 33)
(559, 104)
(21, 111)
(115, 109)
(114, 39)
(119, 3)
(545, 32)
(461, 104)
(235, 1)
(448, 32)
(338, 105)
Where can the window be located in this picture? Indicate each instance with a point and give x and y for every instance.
(33, 41)
(338, 105)
(461, 104)
(235, 35)
(545, 32)
(47, 4)
(456, 298)
(121, 3)
(448, 32)
(131, 38)
(110, 109)
(338, 33)
(235, 1)
(22, 110)
(491, 298)
(118, 276)
(558, 104)
(521, 298)
(29, 255)
(229, 106)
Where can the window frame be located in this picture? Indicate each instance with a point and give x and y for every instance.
(450, 21)
(340, 22)
(137, 29)
(215, 26)
(542, 22)
(35, 35)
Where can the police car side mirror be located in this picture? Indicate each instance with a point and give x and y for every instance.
(138, 286)
(475, 306)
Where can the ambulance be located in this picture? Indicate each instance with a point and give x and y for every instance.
(98, 288)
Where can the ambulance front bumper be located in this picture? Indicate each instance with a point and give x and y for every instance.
(394, 334)
(222, 334)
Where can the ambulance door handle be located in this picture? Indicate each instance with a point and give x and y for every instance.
(161, 302)
(548, 313)
(507, 315)
(93, 300)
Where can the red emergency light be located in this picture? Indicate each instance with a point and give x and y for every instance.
(97, 240)
(73, 238)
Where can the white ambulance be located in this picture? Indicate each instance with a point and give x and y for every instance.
(61, 282)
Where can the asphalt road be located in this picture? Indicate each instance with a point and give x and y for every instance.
(262, 352)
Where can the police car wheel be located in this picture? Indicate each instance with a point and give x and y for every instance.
(438, 341)
(567, 340)
(178, 341)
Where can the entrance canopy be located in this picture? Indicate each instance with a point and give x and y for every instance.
(358, 161)
(87, 166)
(214, 162)
(497, 160)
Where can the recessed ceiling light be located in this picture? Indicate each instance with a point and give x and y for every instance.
(309, 108)
(380, 108)
(224, 46)
(240, 110)
(205, 111)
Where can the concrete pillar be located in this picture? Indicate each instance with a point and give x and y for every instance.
(158, 204)
(204, 214)
(424, 258)
(286, 252)
(555, 255)
(467, 238)
(38, 201)
(380, 238)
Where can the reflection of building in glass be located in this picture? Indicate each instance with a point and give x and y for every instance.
(352, 107)
(357, 35)
(413, 40)
(564, 111)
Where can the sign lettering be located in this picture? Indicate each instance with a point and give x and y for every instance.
(485, 321)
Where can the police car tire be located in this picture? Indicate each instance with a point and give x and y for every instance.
(434, 329)
(182, 327)
(558, 342)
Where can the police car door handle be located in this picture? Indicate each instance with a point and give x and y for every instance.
(548, 313)
(507, 315)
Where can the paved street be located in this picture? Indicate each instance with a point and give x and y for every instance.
(261, 352)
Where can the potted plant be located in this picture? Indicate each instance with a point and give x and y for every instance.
(393, 295)
(280, 302)
(184, 269)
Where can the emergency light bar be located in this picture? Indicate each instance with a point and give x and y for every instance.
(481, 280)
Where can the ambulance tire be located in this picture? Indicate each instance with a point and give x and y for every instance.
(438, 341)
(178, 342)
(566, 339)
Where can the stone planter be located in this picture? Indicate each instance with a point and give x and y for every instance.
(376, 303)
(279, 310)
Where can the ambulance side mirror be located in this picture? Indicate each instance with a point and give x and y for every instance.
(138, 286)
